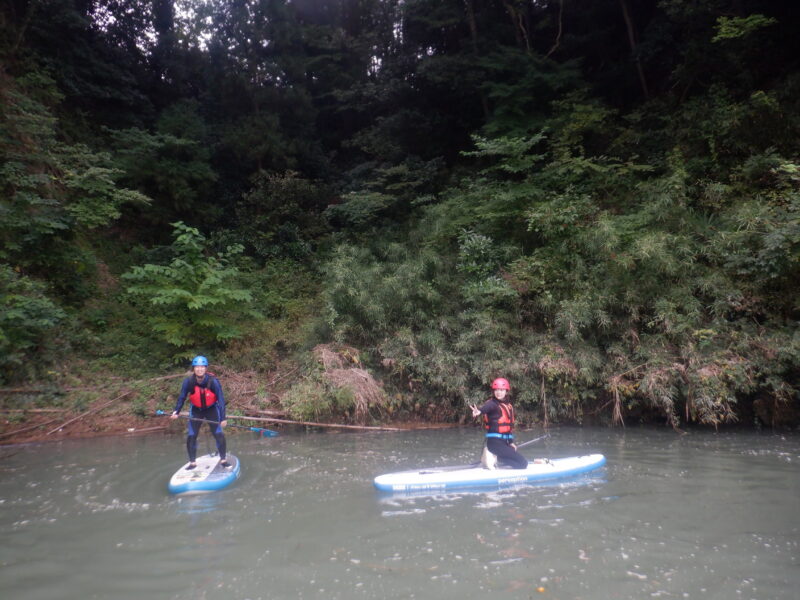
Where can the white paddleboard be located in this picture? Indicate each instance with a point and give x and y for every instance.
(450, 478)
(209, 475)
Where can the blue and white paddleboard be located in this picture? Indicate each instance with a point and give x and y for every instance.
(207, 476)
(452, 478)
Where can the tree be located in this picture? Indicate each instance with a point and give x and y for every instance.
(28, 326)
(52, 192)
(196, 300)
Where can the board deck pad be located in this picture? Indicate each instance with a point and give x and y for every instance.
(470, 476)
(209, 475)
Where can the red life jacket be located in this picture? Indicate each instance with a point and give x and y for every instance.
(505, 423)
(201, 396)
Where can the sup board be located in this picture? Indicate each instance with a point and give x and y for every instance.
(470, 476)
(207, 476)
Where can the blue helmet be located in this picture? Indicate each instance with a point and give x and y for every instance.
(199, 361)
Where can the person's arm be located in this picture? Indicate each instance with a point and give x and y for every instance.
(485, 409)
(217, 389)
(181, 397)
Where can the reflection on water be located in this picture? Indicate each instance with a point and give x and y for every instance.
(198, 503)
(695, 516)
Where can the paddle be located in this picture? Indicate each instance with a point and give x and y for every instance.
(477, 464)
(541, 437)
(261, 430)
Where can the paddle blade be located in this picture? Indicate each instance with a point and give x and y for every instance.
(263, 432)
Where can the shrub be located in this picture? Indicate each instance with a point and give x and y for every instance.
(27, 321)
(196, 299)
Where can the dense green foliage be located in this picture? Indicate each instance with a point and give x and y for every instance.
(196, 299)
(27, 318)
(596, 199)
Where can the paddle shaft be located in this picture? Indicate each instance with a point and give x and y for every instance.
(261, 430)
(477, 464)
(541, 437)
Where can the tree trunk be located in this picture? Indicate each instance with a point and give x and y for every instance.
(473, 30)
(19, 15)
(626, 13)
(164, 24)
(520, 31)
(557, 42)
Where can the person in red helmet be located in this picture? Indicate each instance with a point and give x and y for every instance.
(498, 420)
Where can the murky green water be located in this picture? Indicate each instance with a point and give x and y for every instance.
(699, 516)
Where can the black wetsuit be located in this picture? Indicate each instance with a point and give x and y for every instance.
(215, 412)
(497, 443)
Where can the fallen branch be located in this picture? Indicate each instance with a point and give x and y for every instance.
(9, 433)
(145, 429)
(272, 413)
(90, 411)
(277, 378)
(85, 388)
(313, 424)
(163, 377)
(33, 410)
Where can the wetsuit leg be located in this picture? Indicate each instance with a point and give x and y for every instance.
(218, 434)
(221, 445)
(506, 455)
(216, 431)
(191, 439)
(209, 414)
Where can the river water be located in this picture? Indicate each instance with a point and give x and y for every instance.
(696, 516)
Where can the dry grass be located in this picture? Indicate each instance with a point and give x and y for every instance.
(343, 371)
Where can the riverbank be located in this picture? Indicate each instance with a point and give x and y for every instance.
(95, 404)
(98, 404)
(25, 427)
(41, 425)
(38, 427)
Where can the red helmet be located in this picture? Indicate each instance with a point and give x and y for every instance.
(501, 384)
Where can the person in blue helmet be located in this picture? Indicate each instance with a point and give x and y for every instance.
(207, 403)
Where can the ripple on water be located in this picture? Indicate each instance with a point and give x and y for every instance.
(697, 516)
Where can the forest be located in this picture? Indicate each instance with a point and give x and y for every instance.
(596, 199)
